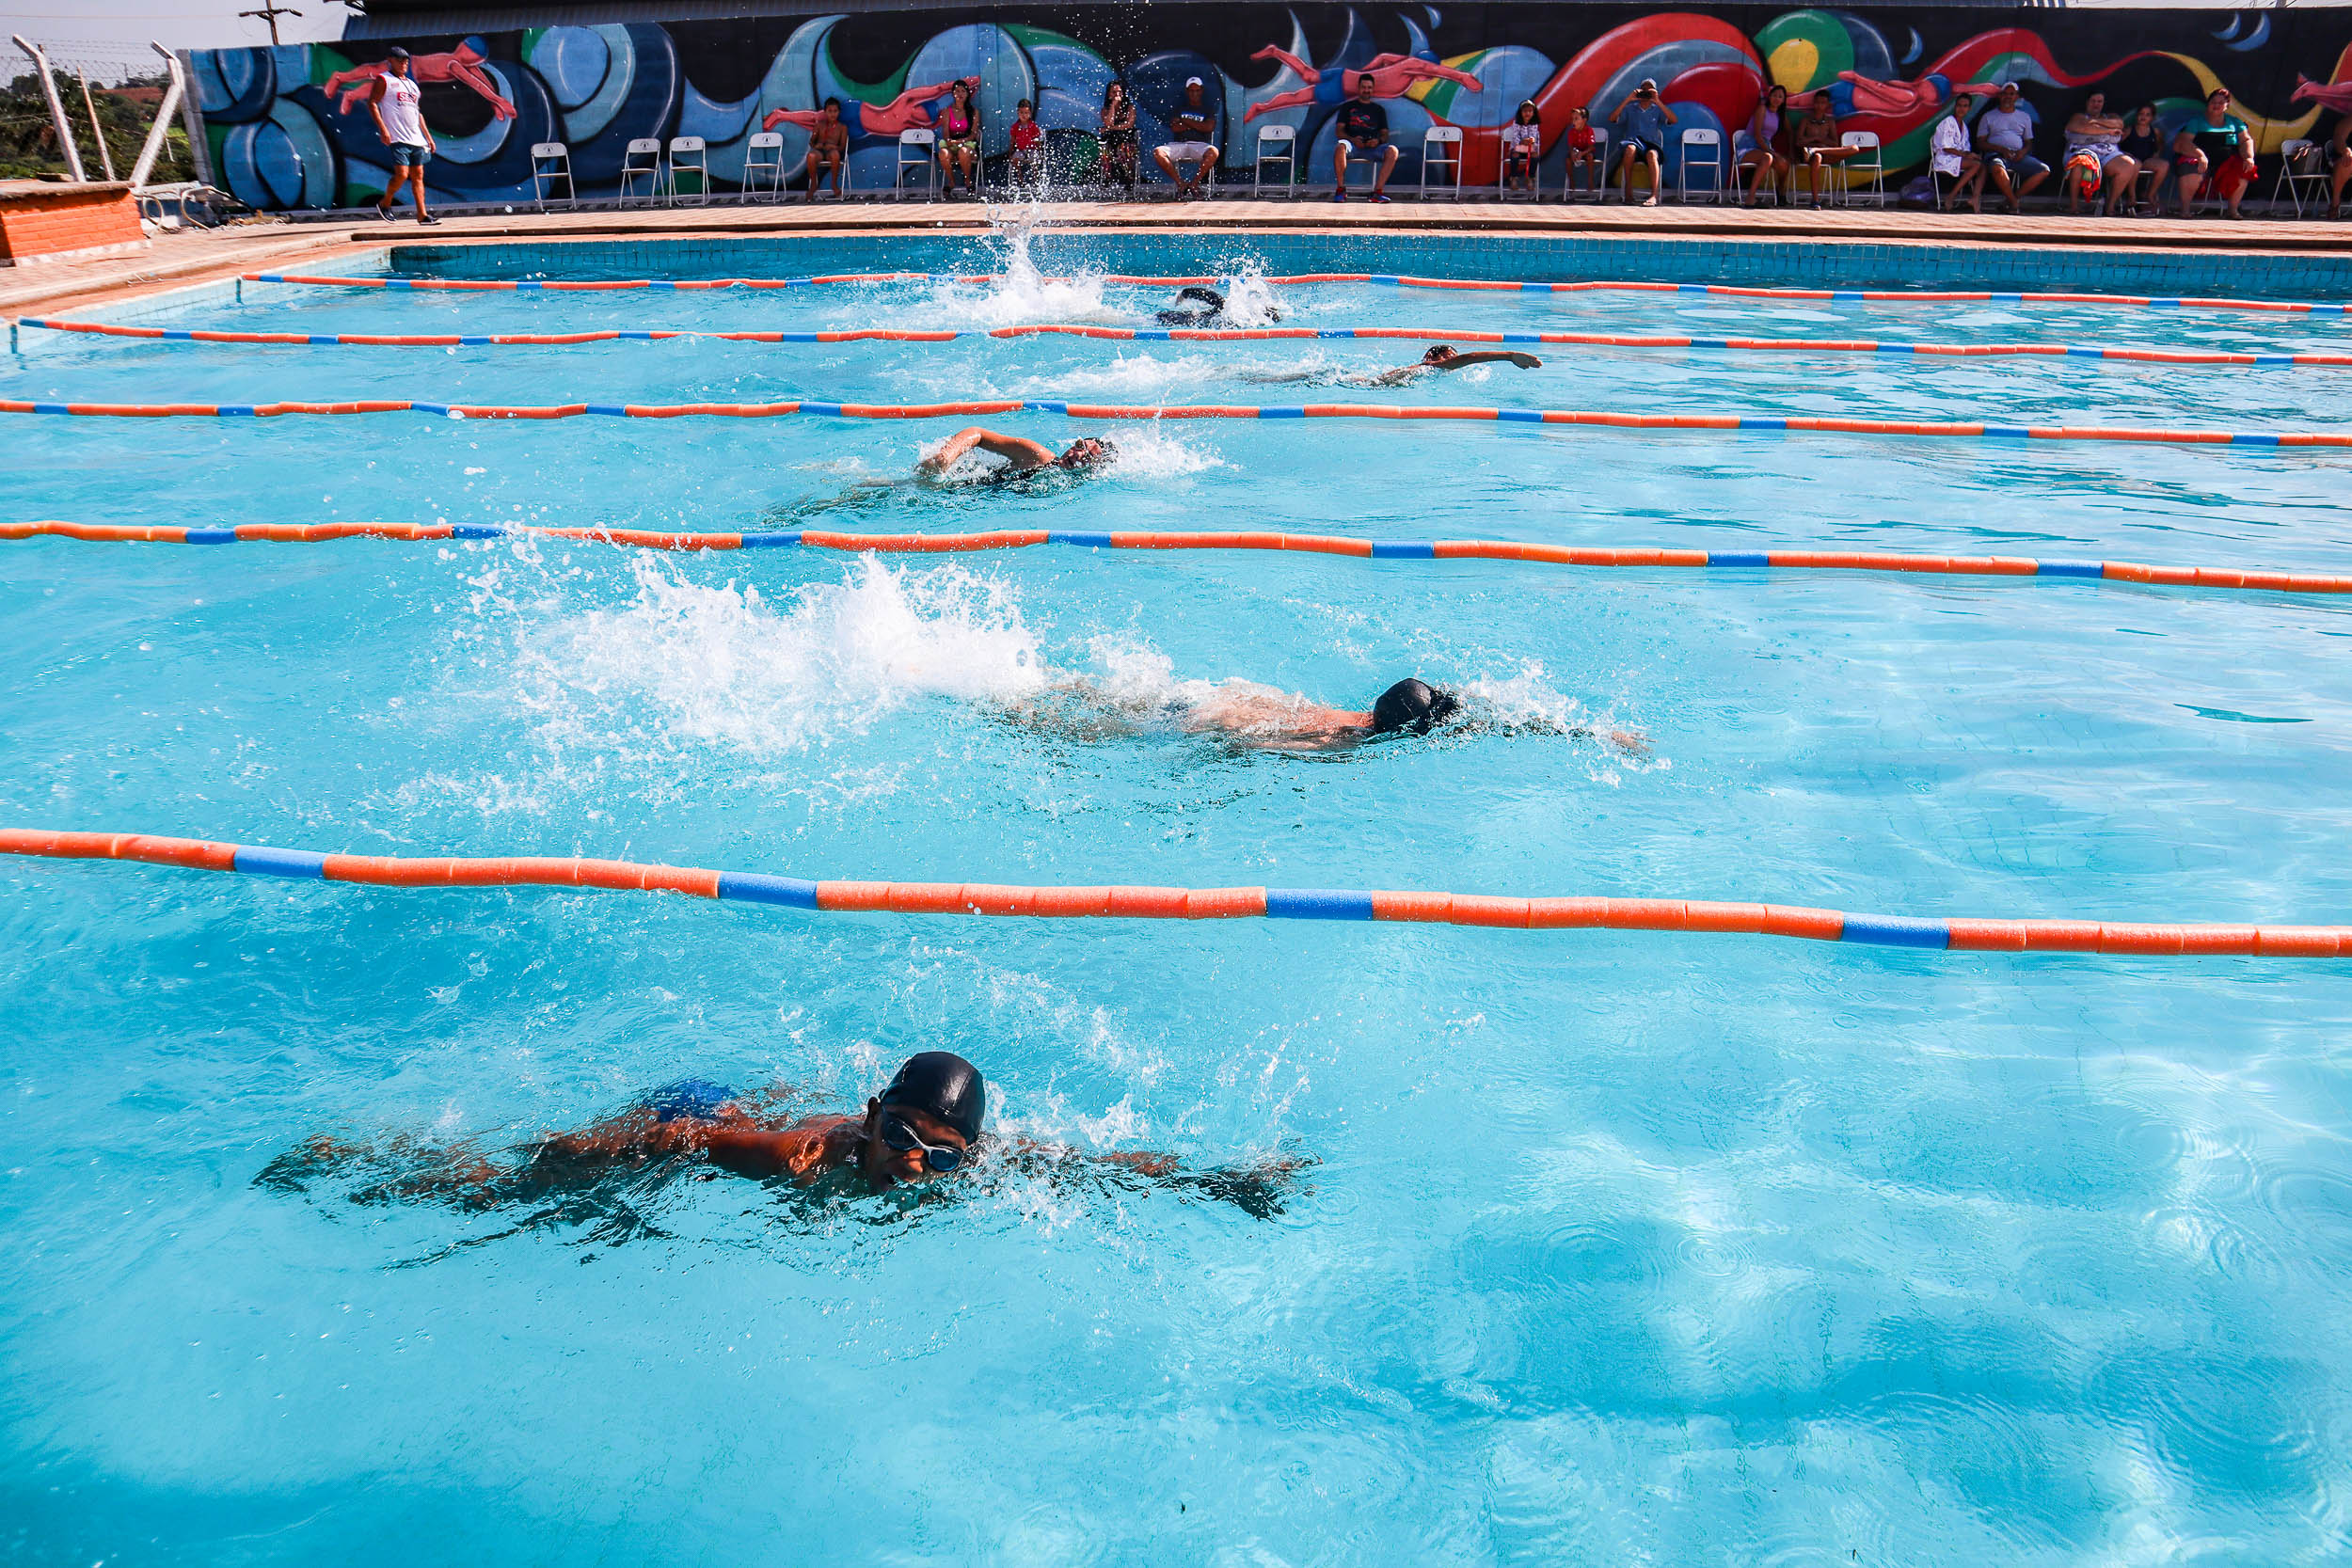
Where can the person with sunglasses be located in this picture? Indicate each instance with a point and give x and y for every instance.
(926, 1124)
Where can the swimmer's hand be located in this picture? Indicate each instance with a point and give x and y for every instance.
(1634, 743)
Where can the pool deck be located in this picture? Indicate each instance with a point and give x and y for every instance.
(178, 260)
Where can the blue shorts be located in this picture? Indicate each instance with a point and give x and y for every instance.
(1636, 144)
(409, 156)
(689, 1100)
(2020, 164)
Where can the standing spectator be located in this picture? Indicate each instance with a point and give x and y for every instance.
(1363, 129)
(1029, 146)
(1120, 146)
(2095, 164)
(393, 102)
(1192, 132)
(2215, 147)
(959, 137)
(2143, 144)
(1581, 154)
(1523, 147)
(2005, 137)
(1817, 143)
(1758, 146)
(1951, 158)
(1642, 120)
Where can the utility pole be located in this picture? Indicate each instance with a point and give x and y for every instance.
(105, 156)
(271, 11)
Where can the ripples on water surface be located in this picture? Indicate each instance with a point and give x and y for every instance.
(1620, 1248)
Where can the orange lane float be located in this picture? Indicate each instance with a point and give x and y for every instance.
(1310, 544)
(1681, 916)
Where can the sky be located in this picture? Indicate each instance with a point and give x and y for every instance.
(108, 37)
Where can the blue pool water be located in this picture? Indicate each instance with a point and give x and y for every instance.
(1612, 1247)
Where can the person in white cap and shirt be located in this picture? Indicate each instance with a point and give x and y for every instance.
(1193, 129)
(401, 123)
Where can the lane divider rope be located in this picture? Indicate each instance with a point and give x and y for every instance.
(1394, 280)
(1175, 903)
(1188, 411)
(1192, 335)
(1310, 543)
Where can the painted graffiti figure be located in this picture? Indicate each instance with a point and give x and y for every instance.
(908, 111)
(462, 65)
(400, 121)
(1390, 76)
(1901, 99)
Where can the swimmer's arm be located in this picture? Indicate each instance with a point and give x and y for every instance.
(1012, 449)
(1487, 356)
(809, 1149)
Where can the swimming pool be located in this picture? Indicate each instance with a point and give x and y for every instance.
(1617, 1246)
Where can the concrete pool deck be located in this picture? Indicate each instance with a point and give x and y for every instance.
(179, 259)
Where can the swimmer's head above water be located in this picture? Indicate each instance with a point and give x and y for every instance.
(925, 1122)
(1412, 706)
(1091, 451)
(1439, 353)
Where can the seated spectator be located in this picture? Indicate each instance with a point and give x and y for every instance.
(1029, 146)
(1193, 129)
(1363, 130)
(1758, 146)
(1582, 153)
(959, 138)
(2333, 158)
(1951, 158)
(1816, 136)
(1523, 148)
(2215, 147)
(2143, 143)
(2095, 162)
(2005, 139)
(1642, 120)
(1117, 137)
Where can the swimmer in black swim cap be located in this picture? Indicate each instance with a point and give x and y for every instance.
(1207, 309)
(1021, 455)
(927, 1123)
(1412, 708)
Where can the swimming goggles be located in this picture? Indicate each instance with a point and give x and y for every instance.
(939, 1157)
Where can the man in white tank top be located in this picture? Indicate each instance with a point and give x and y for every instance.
(399, 120)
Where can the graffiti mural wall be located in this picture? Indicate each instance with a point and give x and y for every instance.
(289, 126)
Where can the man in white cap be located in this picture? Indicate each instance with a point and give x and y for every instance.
(1641, 121)
(1193, 129)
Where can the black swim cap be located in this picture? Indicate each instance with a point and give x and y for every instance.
(945, 1085)
(1412, 708)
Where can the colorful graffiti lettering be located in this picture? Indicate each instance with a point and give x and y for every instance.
(286, 126)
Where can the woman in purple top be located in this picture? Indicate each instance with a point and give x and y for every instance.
(1758, 147)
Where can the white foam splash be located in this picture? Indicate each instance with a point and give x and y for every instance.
(729, 665)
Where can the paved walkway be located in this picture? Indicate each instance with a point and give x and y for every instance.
(180, 259)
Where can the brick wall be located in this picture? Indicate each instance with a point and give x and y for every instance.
(42, 219)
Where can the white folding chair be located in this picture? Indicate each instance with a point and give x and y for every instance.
(764, 154)
(1870, 160)
(925, 146)
(1702, 139)
(687, 156)
(642, 160)
(551, 161)
(1285, 138)
(1598, 173)
(2290, 181)
(1441, 146)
